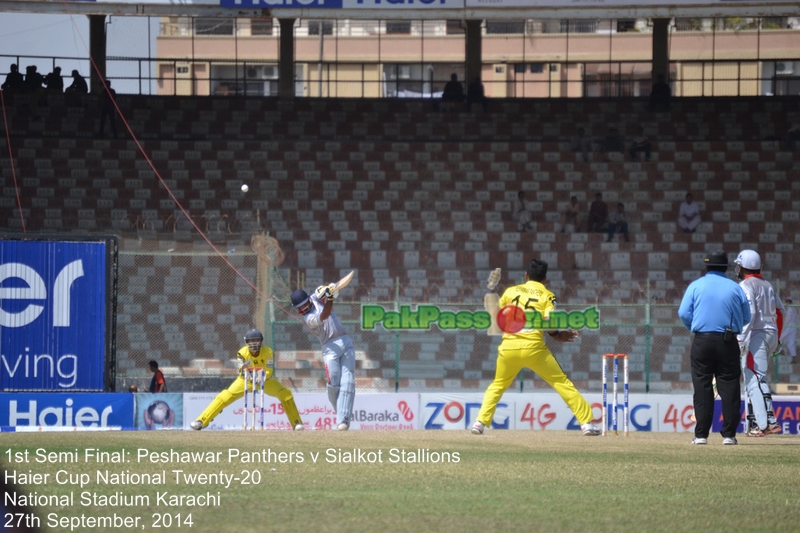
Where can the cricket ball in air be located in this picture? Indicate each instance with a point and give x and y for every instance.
(245, 188)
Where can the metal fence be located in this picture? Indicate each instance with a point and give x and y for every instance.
(188, 308)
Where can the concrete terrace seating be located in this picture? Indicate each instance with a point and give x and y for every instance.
(389, 189)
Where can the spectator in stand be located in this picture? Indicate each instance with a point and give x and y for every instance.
(640, 144)
(108, 109)
(598, 213)
(34, 86)
(54, 81)
(453, 91)
(522, 213)
(581, 143)
(34, 81)
(476, 94)
(660, 95)
(572, 215)
(77, 91)
(618, 223)
(15, 82)
(78, 85)
(689, 216)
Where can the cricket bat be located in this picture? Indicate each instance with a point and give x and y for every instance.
(342, 283)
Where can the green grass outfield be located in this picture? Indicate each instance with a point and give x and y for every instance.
(503, 481)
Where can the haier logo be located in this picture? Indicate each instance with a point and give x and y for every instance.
(34, 290)
(29, 415)
(53, 315)
(92, 410)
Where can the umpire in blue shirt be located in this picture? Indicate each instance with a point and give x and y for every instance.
(715, 309)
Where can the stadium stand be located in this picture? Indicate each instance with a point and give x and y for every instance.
(418, 207)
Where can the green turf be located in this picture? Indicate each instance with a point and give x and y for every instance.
(503, 481)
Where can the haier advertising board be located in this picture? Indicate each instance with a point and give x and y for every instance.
(56, 314)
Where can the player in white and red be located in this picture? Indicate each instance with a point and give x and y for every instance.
(759, 340)
(338, 351)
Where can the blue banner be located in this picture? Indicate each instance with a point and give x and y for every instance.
(52, 315)
(786, 411)
(54, 410)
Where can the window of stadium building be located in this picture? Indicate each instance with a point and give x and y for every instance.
(214, 26)
(520, 58)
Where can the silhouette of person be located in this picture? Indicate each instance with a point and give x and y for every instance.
(33, 80)
(453, 91)
(660, 95)
(598, 213)
(34, 87)
(108, 109)
(476, 94)
(14, 80)
(79, 84)
(54, 81)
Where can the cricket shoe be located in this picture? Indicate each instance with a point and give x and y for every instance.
(344, 426)
(197, 425)
(477, 428)
(590, 429)
(699, 440)
(755, 432)
(299, 426)
(772, 429)
(730, 441)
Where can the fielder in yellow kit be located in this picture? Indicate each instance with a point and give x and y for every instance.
(252, 355)
(526, 349)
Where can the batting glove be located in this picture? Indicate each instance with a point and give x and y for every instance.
(323, 292)
(494, 278)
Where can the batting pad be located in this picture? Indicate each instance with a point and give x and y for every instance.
(333, 396)
(344, 407)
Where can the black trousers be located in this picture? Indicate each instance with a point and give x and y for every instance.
(711, 357)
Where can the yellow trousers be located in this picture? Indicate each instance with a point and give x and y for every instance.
(513, 356)
(272, 387)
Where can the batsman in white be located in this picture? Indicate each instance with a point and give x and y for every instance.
(252, 354)
(338, 351)
(758, 340)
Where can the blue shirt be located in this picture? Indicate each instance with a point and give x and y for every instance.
(713, 303)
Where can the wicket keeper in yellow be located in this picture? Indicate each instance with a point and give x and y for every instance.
(525, 348)
(253, 354)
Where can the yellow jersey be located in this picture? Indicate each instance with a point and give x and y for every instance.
(530, 296)
(262, 359)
